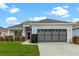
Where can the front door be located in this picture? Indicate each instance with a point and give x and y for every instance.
(28, 33)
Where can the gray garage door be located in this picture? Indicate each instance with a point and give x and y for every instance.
(55, 35)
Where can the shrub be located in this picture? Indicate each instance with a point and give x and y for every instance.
(22, 38)
(34, 38)
(19, 38)
(11, 38)
(1, 38)
(16, 38)
(8, 38)
(76, 40)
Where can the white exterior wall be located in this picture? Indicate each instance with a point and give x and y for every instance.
(75, 32)
(52, 26)
(9, 32)
(2, 33)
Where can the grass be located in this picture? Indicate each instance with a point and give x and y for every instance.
(17, 49)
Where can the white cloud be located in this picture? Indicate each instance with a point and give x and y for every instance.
(75, 19)
(59, 11)
(8, 8)
(3, 6)
(77, 8)
(14, 10)
(66, 7)
(65, 16)
(36, 18)
(12, 20)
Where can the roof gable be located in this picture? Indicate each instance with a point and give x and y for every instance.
(1, 28)
(76, 24)
(41, 21)
(50, 21)
(16, 26)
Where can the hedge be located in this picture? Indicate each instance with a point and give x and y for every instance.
(11, 38)
(76, 39)
(19, 38)
(34, 38)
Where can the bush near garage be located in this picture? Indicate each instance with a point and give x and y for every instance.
(34, 38)
(76, 40)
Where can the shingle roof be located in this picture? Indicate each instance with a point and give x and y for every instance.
(76, 24)
(1, 28)
(27, 22)
(41, 21)
(50, 21)
(16, 26)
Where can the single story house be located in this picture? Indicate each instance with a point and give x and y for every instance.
(47, 30)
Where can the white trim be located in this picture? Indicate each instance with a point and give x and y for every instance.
(23, 31)
(47, 24)
(26, 26)
(52, 23)
(76, 27)
(8, 32)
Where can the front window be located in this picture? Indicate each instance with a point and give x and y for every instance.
(18, 33)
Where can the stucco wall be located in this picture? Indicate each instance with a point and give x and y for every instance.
(10, 32)
(2, 33)
(76, 32)
(54, 26)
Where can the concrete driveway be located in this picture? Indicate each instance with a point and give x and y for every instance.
(58, 49)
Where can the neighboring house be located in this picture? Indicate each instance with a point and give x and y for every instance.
(47, 30)
(76, 29)
(3, 31)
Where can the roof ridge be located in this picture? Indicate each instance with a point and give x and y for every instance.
(52, 21)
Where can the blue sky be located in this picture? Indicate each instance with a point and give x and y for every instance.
(15, 13)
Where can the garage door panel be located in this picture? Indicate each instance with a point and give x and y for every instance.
(63, 38)
(55, 38)
(47, 35)
(63, 35)
(40, 38)
(40, 35)
(55, 35)
(48, 38)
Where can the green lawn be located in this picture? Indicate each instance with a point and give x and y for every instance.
(17, 49)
